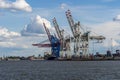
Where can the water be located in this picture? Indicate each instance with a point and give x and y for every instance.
(59, 70)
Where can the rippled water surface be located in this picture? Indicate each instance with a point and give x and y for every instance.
(59, 70)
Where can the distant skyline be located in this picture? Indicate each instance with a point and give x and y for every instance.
(21, 22)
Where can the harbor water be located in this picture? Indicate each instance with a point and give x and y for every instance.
(59, 70)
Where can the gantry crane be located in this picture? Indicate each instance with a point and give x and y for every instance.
(75, 28)
(60, 35)
(81, 38)
(54, 44)
(65, 43)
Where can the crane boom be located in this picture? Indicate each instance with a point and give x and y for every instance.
(47, 31)
(57, 28)
(70, 21)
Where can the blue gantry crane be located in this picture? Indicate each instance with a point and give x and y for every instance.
(54, 44)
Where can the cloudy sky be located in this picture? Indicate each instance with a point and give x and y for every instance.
(21, 22)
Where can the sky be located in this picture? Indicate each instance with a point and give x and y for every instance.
(21, 22)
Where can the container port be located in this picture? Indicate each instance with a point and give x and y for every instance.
(61, 48)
